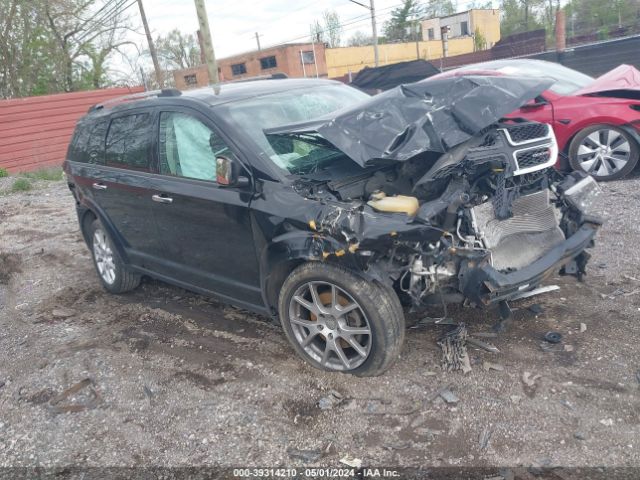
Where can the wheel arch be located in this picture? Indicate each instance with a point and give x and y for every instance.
(91, 212)
(286, 252)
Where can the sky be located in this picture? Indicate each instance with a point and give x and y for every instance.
(233, 23)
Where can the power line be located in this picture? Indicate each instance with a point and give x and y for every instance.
(116, 10)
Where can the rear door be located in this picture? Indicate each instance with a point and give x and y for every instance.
(117, 177)
(205, 229)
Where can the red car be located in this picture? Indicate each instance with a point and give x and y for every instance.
(596, 121)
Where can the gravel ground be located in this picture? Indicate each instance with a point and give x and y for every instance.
(177, 379)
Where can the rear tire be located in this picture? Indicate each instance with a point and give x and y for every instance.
(112, 272)
(337, 321)
(603, 151)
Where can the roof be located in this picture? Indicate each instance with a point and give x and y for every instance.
(218, 94)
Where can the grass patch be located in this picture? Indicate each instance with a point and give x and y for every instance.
(21, 185)
(49, 174)
(3, 173)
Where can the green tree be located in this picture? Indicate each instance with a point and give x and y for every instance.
(520, 16)
(399, 27)
(49, 46)
(479, 41)
(178, 50)
(440, 8)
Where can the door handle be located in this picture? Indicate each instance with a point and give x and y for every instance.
(161, 199)
(99, 186)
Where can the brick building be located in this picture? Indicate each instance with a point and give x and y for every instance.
(295, 60)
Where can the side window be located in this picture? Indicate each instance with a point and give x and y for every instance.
(95, 146)
(75, 152)
(188, 148)
(129, 141)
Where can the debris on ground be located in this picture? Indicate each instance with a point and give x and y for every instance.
(568, 348)
(88, 401)
(333, 399)
(306, 456)
(579, 435)
(583, 327)
(396, 445)
(515, 399)
(454, 350)
(484, 438)
(567, 404)
(553, 337)
(448, 396)
(529, 380)
(607, 422)
(350, 461)
(638, 376)
(483, 345)
(492, 366)
(485, 334)
(536, 309)
(62, 312)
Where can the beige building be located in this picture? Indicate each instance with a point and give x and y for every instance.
(465, 24)
(295, 60)
(345, 60)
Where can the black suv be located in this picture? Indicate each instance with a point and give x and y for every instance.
(333, 211)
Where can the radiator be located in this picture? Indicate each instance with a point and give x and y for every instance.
(523, 238)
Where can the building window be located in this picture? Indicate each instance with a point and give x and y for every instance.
(464, 28)
(190, 80)
(268, 62)
(430, 34)
(238, 69)
(308, 57)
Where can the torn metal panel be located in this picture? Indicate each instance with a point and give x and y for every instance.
(427, 116)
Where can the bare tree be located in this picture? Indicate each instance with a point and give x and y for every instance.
(329, 31)
(50, 46)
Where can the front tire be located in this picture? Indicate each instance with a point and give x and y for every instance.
(605, 152)
(337, 321)
(111, 270)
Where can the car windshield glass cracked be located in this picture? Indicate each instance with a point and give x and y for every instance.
(188, 147)
(269, 111)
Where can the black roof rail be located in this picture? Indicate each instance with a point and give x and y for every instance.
(165, 92)
(273, 76)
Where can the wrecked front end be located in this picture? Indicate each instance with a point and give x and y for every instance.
(478, 215)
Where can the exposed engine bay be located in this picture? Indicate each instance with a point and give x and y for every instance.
(444, 206)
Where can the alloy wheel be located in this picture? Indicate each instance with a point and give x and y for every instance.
(604, 152)
(330, 326)
(103, 255)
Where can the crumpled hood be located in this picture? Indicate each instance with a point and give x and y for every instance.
(426, 116)
(624, 77)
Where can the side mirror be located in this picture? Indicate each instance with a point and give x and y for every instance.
(227, 173)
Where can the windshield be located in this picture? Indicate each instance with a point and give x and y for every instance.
(296, 154)
(567, 80)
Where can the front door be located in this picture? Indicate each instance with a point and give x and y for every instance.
(205, 228)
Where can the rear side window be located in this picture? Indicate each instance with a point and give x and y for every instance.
(129, 141)
(75, 153)
(95, 145)
(87, 144)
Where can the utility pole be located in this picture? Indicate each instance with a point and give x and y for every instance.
(374, 29)
(258, 41)
(152, 48)
(374, 32)
(203, 59)
(207, 44)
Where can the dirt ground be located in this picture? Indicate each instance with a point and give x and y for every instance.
(177, 379)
